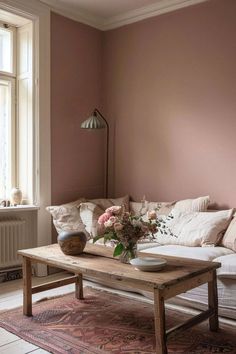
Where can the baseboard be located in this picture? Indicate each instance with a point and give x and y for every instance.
(10, 274)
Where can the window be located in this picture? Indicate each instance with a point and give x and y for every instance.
(7, 110)
(7, 141)
(16, 105)
(6, 49)
(20, 12)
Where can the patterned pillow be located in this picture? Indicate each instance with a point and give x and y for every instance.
(89, 213)
(66, 217)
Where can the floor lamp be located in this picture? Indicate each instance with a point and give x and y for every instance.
(97, 121)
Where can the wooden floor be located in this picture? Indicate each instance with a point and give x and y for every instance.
(11, 297)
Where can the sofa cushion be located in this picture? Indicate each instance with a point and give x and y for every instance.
(141, 208)
(105, 203)
(228, 266)
(91, 210)
(193, 229)
(89, 213)
(229, 239)
(203, 253)
(66, 217)
(197, 204)
(164, 208)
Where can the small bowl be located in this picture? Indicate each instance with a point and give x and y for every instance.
(148, 264)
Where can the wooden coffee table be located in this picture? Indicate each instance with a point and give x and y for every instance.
(179, 275)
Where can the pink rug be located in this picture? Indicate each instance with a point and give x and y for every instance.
(108, 323)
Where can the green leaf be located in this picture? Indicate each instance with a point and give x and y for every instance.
(118, 250)
(108, 236)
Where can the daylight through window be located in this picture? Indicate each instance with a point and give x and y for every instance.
(16, 110)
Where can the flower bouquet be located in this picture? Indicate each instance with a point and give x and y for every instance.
(124, 230)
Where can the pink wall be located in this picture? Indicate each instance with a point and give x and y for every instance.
(77, 155)
(170, 94)
(169, 88)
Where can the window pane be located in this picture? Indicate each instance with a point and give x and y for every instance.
(6, 53)
(5, 138)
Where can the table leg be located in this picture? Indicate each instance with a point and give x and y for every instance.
(213, 302)
(160, 331)
(27, 287)
(79, 287)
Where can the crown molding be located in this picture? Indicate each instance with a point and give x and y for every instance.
(126, 18)
(12, 19)
(74, 14)
(156, 9)
(25, 8)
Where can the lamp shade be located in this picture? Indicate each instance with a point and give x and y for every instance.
(93, 122)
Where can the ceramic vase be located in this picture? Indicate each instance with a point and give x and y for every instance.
(72, 242)
(16, 196)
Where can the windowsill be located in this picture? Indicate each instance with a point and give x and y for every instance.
(19, 208)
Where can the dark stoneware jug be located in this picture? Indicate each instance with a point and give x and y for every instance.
(72, 242)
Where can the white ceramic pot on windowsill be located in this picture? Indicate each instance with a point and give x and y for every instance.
(16, 196)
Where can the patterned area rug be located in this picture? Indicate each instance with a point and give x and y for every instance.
(108, 323)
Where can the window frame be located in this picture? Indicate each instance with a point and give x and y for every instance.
(39, 13)
(11, 29)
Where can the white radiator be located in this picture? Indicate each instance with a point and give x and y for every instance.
(12, 238)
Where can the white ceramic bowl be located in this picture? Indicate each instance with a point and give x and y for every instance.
(148, 264)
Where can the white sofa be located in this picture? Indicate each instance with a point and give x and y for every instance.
(198, 298)
(83, 215)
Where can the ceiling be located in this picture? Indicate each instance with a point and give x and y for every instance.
(108, 14)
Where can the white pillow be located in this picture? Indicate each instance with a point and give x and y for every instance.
(197, 204)
(193, 229)
(229, 239)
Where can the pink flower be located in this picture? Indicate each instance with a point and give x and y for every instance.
(118, 226)
(115, 210)
(103, 218)
(113, 219)
(151, 214)
(108, 223)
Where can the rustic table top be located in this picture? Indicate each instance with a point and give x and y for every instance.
(97, 261)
